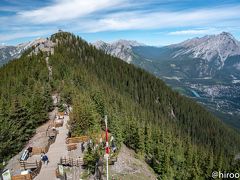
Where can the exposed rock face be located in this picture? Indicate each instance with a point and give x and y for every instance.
(8, 53)
(121, 48)
(211, 51)
(211, 48)
(44, 45)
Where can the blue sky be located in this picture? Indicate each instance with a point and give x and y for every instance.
(153, 22)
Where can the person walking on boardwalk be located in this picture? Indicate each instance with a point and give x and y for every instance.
(44, 158)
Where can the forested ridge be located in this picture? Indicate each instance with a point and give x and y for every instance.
(176, 136)
(25, 100)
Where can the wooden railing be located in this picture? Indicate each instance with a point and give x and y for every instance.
(39, 150)
(36, 171)
(34, 166)
(29, 165)
(71, 162)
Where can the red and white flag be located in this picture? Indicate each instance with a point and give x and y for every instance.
(107, 145)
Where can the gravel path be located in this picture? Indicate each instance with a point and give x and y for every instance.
(55, 152)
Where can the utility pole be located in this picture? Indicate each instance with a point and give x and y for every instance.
(107, 146)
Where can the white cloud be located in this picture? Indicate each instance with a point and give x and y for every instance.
(161, 20)
(97, 15)
(114, 15)
(64, 10)
(17, 35)
(196, 31)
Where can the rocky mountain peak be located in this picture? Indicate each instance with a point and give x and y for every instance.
(126, 43)
(226, 34)
(212, 47)
(100, 44)
(121, 48)
(10, 52)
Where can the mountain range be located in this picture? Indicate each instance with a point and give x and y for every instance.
(10, 52)
(174, 135)
(206, 69)
(211, 53)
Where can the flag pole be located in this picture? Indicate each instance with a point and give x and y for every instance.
(107, 147)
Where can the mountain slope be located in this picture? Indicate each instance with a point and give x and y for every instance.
(216, 50)
(8, 53)
(159, 124)
(211, 51)
(24, 102)
(212, 48)
(206, 69)
(167, 130)
(121, 49)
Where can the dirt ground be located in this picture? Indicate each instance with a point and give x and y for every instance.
(128, 167)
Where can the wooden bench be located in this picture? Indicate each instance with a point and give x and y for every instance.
(35, 167)
(30, 165)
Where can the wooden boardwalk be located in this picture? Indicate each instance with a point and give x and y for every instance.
(55, 152)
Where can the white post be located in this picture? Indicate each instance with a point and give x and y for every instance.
(106, 143)
(107, 167)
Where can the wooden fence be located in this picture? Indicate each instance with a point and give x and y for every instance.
(36, 171)
(39, 150)
(22, 177)
(71, 162)
(77, 139)
(30, 165)
(35, 167)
